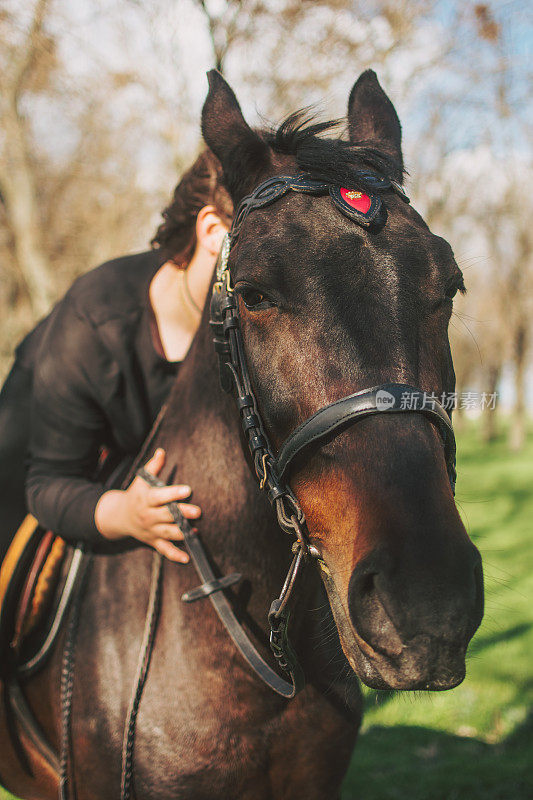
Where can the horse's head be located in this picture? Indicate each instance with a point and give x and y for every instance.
(330, 307)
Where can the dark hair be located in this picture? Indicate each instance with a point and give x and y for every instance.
(200, 186)
(336, 161)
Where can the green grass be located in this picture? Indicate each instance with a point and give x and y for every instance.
(475, 742)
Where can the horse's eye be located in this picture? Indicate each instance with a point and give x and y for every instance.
(253, 298)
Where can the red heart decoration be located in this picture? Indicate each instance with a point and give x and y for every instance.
(356, 199)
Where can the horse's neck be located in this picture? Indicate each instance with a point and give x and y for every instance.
(202, 438)
(204, 449)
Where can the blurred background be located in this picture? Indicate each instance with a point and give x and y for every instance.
(99, 112)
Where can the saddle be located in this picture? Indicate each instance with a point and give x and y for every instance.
(36, 579)
(40, 578)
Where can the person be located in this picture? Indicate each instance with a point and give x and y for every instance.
(95, 373)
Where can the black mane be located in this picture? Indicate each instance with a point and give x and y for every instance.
(335, 161)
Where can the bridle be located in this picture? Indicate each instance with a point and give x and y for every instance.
(273, 470)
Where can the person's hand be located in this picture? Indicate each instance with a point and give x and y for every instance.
(140, 511)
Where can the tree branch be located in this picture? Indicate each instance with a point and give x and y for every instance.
(23, 64)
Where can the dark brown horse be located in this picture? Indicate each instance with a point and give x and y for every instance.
(328, 307)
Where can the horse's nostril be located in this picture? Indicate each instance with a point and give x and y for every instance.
(367, 585)
(368, 614)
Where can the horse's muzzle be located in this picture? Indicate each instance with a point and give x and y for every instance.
(413, 626)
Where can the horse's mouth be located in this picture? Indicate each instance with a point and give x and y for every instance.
(423, 663)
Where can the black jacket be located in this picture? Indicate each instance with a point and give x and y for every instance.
(98, 380)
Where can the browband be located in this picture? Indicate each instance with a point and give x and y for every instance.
(274, 188)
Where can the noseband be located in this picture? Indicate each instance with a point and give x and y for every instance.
(273, 471)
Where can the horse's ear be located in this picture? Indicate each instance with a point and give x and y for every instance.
(373, 118)
(241, 151)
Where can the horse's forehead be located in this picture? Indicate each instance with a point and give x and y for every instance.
(313, 230)
(298, 221)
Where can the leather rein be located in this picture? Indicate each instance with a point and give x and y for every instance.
(272, 470)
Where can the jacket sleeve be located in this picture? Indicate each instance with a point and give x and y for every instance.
(73, 371)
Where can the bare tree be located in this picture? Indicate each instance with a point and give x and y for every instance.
(68, 203)
(228, 23)
(133, 124)
(17, 177)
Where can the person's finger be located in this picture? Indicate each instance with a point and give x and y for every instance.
(159, 515)
(189, 510)
(165, 531)
(168, 494)
(156, 463)
(171, 552)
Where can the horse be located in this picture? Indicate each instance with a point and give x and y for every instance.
(333, 296)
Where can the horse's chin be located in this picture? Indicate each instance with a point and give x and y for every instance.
(381, 673)
(424, 664)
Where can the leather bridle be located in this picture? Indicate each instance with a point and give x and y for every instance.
(273, 470)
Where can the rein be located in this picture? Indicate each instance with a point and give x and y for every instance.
(212, 586)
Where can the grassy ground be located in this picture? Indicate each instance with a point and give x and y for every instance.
(475, 742)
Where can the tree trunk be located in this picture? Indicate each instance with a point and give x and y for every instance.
(517, 433)
(489, 418)
(19, 194)
(459, 422)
